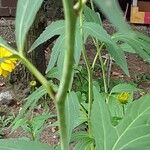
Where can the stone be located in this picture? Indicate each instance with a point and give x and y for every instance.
(6, 98)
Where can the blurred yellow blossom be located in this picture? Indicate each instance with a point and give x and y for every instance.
(123, 97)
(33, 83)
(6, 64)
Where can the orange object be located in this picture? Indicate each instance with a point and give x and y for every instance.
(140, 14)
(136, 16)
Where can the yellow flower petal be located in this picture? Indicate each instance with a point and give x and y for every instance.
(12, 65)
(6, 64)
(5, 73)
(123, 97)
(4, 52)
(33, 83)
(6, 67)
(8, 61)
(1, 70)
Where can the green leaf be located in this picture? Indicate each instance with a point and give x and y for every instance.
(58, 47)
(91, 16)
(83, 139)
(72, 108)
(83, 144)
(127, 48)
(145, 45)
(103, 131)
(16, 144)
(31, 101)
(143, 37)
(77, 53)
(53, 73)
(58, 51)
(19, 123)
(134, 129)
(112, 10)
(97, 31)
(77, 136)
(119, 57)
(123, 87)
(55, 28)
(144, 144)
(135, 43)
(4, 44)
(115, 107)
(60, 61)
(38, 122)
(25, 15)
(78, 44)
(140, 49)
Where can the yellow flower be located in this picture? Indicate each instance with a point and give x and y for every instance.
(33, 83)
(123, 97)
(6, 64)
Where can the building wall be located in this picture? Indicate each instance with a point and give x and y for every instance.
(8, 8)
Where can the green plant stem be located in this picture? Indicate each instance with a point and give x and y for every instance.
(90, 82)
(92, 5)
(123, 109)
(100, 57)
(84, 111)
(90, 76)
(109, 71)
(99, 48)
(70, 19)
(39, 76)
(82, 75)
(90, 91)
(97, 54)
